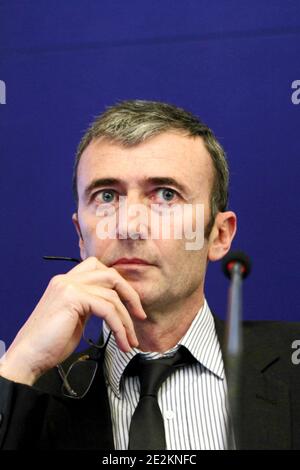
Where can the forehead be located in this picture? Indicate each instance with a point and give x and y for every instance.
(166, 155)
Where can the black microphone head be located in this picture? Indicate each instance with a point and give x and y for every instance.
(236, 257)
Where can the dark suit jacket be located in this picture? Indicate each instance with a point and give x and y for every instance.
(40, 418)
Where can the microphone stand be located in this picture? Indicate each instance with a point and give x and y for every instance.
(236, 266)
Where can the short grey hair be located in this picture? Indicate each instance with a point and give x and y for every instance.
(132, 122)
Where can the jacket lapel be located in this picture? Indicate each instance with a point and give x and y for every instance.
(97, 409)
(264, 417)
(79, 423)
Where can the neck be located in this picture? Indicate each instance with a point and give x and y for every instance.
(162, 330)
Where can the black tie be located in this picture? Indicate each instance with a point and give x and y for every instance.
(147, 430)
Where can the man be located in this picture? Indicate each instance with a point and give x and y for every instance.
(149, 290)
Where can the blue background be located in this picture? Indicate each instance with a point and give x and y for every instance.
(230, 62)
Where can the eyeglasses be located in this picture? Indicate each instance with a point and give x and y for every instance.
(78, 379)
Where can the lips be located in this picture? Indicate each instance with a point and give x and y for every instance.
(130, 261)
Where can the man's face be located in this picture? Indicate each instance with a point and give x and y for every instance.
(137, 172)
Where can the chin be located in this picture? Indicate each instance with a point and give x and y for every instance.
(146, 294)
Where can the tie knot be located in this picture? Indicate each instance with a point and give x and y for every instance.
(153, 372)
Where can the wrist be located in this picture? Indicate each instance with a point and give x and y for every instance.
(17, 370)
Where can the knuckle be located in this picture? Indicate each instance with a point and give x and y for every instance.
(107, 313)
(113, 296)
(69, 288)
(92, 261)
(56, 281)
(115, 278)
(119, 331)
(113, 272)
(114, 310)
(64, 286)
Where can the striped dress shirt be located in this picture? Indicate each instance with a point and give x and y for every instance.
(192, 400)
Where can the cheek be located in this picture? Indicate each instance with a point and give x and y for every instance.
(175, 256)
(187, 219)
(99, 248)
(88, 226)
(182, 269)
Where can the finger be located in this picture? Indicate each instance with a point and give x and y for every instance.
(110, 278)
(107, 311)
(89, 264)
(127, 293)
(112, 296)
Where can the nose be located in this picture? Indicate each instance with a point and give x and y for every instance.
(133, 218)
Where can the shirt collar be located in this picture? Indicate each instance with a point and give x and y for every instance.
(200, 339)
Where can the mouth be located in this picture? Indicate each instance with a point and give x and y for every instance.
(133, 262)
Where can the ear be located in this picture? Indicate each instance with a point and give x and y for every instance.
(222, 234)
(81, 241)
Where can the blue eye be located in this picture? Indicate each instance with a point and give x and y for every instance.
(109, 195)
(105, 195)
(167, 194)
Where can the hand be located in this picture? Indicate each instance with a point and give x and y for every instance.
(55, 327)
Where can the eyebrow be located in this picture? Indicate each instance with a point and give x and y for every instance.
(154, 180)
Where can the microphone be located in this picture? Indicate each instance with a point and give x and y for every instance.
(236, 265)
(232, 259)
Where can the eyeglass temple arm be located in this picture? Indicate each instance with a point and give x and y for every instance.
(65, 381)
(61, 258)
